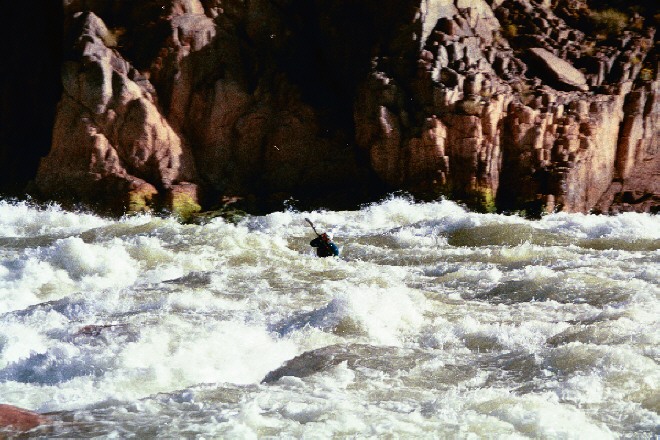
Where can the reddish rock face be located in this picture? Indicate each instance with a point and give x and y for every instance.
(18, 420)
(636, 186)
(509, 143)
(455, 98)
(110, 142)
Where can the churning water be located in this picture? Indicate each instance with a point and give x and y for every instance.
(435, 323)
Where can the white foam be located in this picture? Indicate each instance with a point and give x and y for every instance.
(94, 266)
(221, 352)
(529, 336)
(18, 342)
(20, 219)
(388, 316)
(582, 389)
(540, 416)
(626, 225)
(29, 280)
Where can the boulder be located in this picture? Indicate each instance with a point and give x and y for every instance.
(557, 71)
(18, 420)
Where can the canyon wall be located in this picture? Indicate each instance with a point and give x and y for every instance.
(504, 105)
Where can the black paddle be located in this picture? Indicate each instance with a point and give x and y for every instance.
(312, 225)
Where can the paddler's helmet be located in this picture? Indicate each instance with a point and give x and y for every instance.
(327, 236)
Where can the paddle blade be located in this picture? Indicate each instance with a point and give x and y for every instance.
(312, 225)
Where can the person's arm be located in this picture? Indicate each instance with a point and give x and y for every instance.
(316, 242)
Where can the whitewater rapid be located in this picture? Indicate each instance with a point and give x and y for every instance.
(435, 322)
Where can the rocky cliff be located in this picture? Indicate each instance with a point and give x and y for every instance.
(504, 105)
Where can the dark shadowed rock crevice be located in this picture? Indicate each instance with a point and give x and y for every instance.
(29, 88)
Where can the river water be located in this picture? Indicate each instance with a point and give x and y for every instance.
(435, 323)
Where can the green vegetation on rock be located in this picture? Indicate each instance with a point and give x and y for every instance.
(608, 22)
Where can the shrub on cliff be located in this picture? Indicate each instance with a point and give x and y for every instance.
(608, 22)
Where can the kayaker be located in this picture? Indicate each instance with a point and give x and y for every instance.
(324, 246)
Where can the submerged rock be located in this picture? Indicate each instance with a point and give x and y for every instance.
(388, 359)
